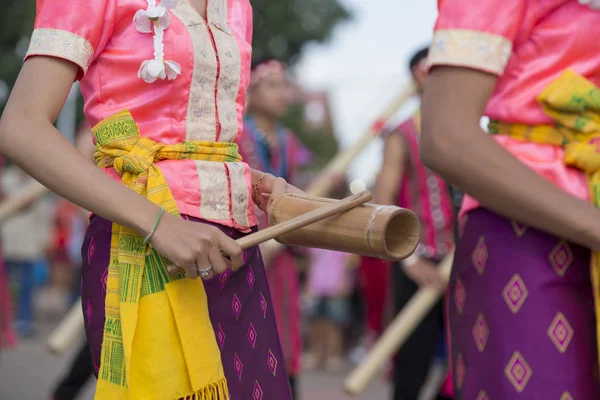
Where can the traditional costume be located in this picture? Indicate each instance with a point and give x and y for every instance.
(165, 91)
(522, 303)
(282, 159)
(425, 193)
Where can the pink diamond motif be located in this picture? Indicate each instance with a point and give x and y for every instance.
(104, 280)
(220, 336)
(237, 306)
(250, 278)
(237, 364)
(252, 335)
(257, 393)
(518, 371)
(263, 305)
(223, 279)
(566, 396)
(482, 396)
(560, 332)
(460, 370)
(272, 362)
(460, 296)
(561, 258)
(91, 250)
(481, 332)
(515, 293)
(480, 255)
(519, 228)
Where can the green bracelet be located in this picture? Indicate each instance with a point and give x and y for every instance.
(158, 218)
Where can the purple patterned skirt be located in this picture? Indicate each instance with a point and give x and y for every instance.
(521, 314)
(240, 310)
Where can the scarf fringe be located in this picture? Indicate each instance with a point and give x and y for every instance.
(214, 391)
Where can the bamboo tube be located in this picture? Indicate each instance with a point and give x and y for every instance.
(396, 334)
(67, 331)
(16, 202)
(321, 185)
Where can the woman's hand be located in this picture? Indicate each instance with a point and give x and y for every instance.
(196, 246)
(271, 188)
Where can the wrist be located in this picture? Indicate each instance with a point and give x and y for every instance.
(411, 260)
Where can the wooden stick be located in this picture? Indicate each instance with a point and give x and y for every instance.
(16, 202)
(396, 334)
(301, 221)
(322, 184)
(67, 331)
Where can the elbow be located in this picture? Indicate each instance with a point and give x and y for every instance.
(436, 144)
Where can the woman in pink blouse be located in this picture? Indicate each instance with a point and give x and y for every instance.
(180, 69)
(522, 303)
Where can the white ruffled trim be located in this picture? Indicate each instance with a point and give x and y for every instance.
(156, 19)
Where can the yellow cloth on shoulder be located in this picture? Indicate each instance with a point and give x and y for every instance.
(573, 103)
(158, 339)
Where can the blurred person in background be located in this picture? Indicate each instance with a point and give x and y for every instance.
(267, 145)
(406, 182)
(7, 336)
(525, 308)
(327, 289)
(24, 239)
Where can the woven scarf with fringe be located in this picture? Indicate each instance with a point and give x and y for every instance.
(158, 340)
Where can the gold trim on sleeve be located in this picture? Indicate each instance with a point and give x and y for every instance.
(61, 44)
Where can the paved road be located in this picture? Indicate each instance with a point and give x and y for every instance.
(28, 373)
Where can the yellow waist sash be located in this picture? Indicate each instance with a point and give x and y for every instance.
(158, 339)
(573, 103)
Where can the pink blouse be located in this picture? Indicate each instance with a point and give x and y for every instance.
(205, 103)
(528, 44)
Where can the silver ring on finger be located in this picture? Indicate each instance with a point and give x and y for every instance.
(204, 273)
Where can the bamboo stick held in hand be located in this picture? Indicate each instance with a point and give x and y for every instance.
(396, 334)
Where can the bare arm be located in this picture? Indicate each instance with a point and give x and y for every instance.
(392, 170)
(28, 137)
(454, 145)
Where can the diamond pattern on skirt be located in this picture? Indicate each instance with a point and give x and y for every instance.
(220, 336)
(515, 293)
(518, 371)
(263, 305)
(237, 364)
(482, 396)
(460, 370)
(460, 296)
(272, 362)
(237, 306)
(481, 332)
(257, 393)
(223, 278)
(91, 250)
(251, 278)
(519, 228)
(561, 258)
(480, 255)
(560, 332)
(252, 335)
(566, 396)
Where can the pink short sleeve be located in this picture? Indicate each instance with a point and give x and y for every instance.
(476, 34)
(73, 30)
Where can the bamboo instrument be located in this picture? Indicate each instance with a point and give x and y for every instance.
(67, 331)
(321, 185)
(386, 232)
(396, 334)
(16, 202)
(73, 323)
(298, 222)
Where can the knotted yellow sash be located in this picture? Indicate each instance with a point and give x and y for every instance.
(573, 103)
(158, 339)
